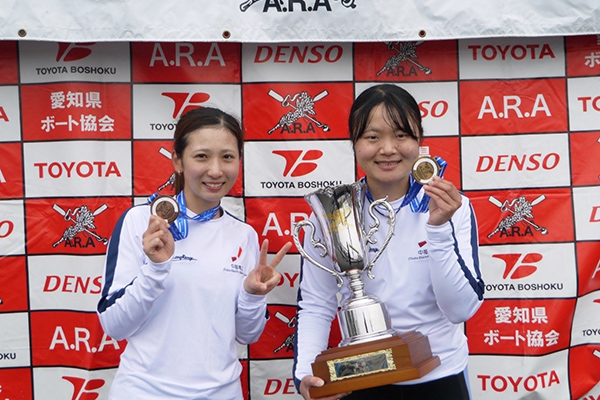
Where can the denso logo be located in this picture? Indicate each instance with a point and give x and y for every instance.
(185, 102)
(518, 265)
(298, 53)
(595, 215)
(437, 109)
(299, 162)
(73, 51)
(84, 389)
(278, 386)
(513, 105)
(516, 52)
(513, 162)
(73, 284)
(516, 384)
(6, 228)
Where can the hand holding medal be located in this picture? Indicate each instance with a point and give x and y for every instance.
(424, 169)
(165, 207)
(445, 197)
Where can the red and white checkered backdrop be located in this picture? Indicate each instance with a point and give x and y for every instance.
(85, 133)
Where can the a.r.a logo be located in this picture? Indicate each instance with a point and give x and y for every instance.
(302, 5)
(302, 107)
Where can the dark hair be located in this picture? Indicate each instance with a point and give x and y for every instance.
(199, 118)
(401, 107)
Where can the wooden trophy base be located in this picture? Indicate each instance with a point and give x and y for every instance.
(380, 362)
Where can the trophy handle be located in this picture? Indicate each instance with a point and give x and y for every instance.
(316, 244)
(375, 228)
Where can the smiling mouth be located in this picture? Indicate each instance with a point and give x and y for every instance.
(214, 185)
(388, 163)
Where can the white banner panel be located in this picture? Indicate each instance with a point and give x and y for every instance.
(527, 270)
(157, 108)
(586, 320)
(584, 104)
(515, 161)
(293, 20)
(587, 212)
(72, 383)
(80, 167)
(513, 378)
(57, 280)
(275, 380)
(297, 168)
(511, 58)
(55, 62)
(10, 118)
(14, 347)
(293, 62)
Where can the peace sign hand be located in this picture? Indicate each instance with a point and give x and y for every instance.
(263, 278)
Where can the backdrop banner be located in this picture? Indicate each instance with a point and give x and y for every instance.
(86, 131)
(269, 21)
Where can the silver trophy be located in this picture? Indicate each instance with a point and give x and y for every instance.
(339, 211)
(371, 352)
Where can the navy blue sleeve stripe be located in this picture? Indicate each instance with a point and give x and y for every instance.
(111, 263)
(475, 249)
(106, 302)
(298, 308)
(476, 283)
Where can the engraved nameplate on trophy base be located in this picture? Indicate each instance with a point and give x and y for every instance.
(376, 363)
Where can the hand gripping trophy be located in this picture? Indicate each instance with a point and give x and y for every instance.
(371, 353)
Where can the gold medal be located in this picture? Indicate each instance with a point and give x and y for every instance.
(165, 207)
(424, 169)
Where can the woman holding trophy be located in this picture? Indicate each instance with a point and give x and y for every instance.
(426, 274)
(184, 280)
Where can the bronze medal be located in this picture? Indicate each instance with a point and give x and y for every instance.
(165, 207)
(424, 169)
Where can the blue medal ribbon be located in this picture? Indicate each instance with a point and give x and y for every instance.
(179, 228)
(416, 205)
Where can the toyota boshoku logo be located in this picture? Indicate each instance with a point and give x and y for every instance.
(299, 162)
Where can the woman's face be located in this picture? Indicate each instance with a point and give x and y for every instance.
(210, 164)
(386, 155)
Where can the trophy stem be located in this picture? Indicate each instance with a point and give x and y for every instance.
(363, 317)
(357, 286)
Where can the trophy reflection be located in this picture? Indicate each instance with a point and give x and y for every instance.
(370, 353)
